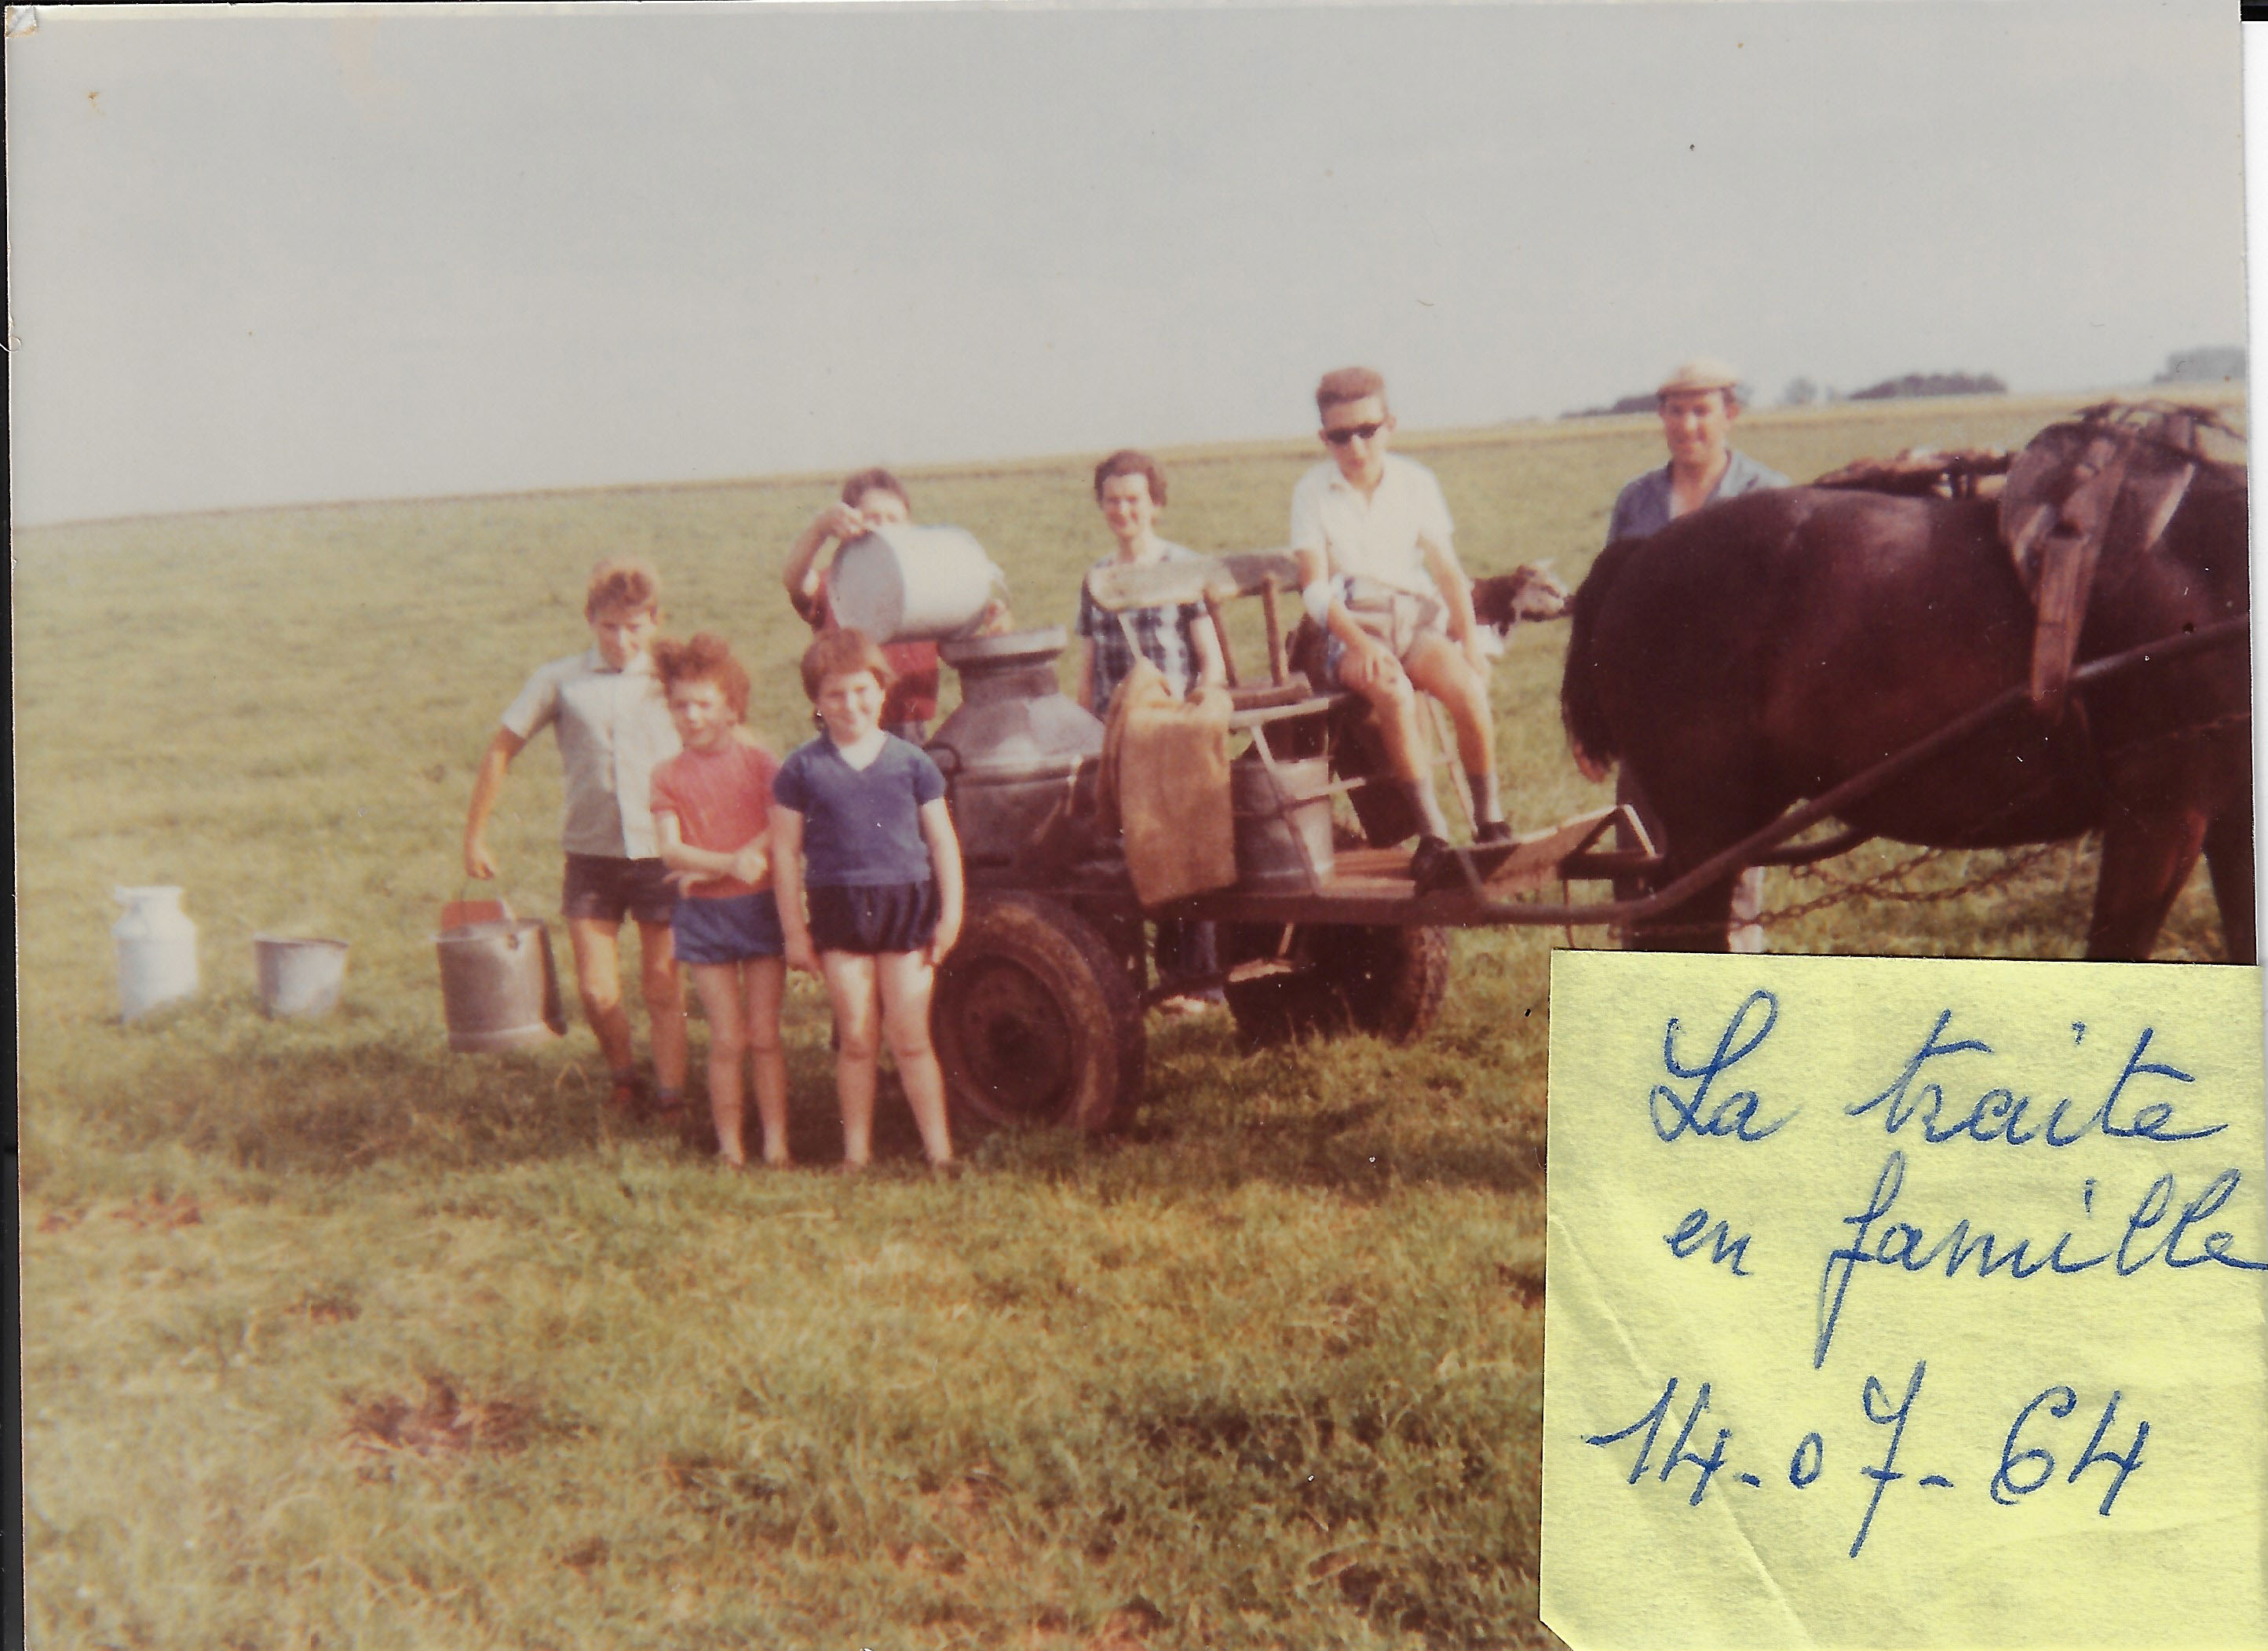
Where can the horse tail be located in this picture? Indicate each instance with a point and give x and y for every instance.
(1589, 737)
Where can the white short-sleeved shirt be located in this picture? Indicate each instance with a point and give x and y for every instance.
(613, 727)
(1383, 537)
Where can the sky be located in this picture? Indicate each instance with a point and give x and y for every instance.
(298, 253)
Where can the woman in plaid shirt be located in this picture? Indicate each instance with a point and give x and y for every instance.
(1177, 638)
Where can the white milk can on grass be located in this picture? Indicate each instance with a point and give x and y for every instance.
(157, 949)
(903, 583)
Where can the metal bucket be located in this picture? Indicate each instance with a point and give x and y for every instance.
(499, 988)
(1282, 822)
(900, 583)
(298, 977)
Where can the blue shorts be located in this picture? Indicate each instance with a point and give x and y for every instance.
(605, 886)
(731, 930)
(873, 919)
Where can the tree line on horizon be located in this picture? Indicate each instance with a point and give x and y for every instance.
(2211, 362)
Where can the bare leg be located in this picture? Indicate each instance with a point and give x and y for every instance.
(1379, 682)
(1748, 929)
(665, 1004)
(1387, 693)
(1437, 668)
(599, 982)
(719, 986)
(766, 977)
(850, 988)
(905, 978)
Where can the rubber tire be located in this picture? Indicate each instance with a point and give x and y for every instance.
(1035, 1020)
(1387, 981)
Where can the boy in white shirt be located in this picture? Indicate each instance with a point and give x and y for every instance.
(1380, 573)
(612, 722)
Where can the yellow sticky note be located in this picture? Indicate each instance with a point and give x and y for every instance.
(1905, 1302)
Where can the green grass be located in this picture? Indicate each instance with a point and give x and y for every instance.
(332, 1338)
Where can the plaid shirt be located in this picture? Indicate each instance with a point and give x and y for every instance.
(1161, 635)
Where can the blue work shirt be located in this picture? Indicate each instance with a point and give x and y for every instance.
(1642, 508)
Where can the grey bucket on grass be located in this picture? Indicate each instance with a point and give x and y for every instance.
(499, 987)
(298, 977)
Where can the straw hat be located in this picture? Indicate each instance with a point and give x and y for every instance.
(1701, 372)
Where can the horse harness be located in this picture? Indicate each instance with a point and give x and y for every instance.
(2056, 502)
(2056, 513)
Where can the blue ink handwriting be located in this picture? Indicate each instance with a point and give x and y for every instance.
(2023, 1467)
(1678, 1454)
(2060, 1401)
(1734, 1115)
(1998, 1114)
(1895, 1421)
(1900, 1243)
(1695, 1231)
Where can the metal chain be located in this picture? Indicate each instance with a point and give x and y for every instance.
(1887, 885)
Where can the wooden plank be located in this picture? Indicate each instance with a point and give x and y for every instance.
(1162, 583)
(1278, 668)
(1220, 636)
(1535, 859)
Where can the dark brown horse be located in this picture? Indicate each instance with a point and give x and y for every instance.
(1768, 648)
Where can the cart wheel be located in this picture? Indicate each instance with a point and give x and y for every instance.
(1385, 980)
(1034, 1019)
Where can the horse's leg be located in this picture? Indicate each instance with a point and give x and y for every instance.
(2229, 855)
(1703, 924)
(1695, 813)
(2145, 860)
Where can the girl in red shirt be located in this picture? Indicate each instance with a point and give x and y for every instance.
(711, 816)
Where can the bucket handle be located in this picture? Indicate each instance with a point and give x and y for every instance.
(464, 887)
(502, 900)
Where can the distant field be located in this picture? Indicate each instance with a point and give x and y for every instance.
(332, 1338)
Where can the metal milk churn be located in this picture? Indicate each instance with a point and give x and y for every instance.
(157, 949)
(903, 583)
(1015, 750)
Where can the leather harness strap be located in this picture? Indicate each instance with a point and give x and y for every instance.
(2070, 537)
(2056, 542)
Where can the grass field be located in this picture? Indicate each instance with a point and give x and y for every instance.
(334, 1339)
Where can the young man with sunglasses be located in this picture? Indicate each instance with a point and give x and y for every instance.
(1380, 573)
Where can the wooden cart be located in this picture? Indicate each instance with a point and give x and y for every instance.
(1038, 1014)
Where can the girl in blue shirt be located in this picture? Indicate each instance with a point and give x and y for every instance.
(860, 837)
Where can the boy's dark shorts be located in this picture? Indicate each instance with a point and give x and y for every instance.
(873, 919)
(731, 930)
(604, 887)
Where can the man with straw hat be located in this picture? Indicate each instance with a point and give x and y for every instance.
(1697, 404)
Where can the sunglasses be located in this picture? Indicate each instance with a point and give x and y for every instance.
(1340, 438)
